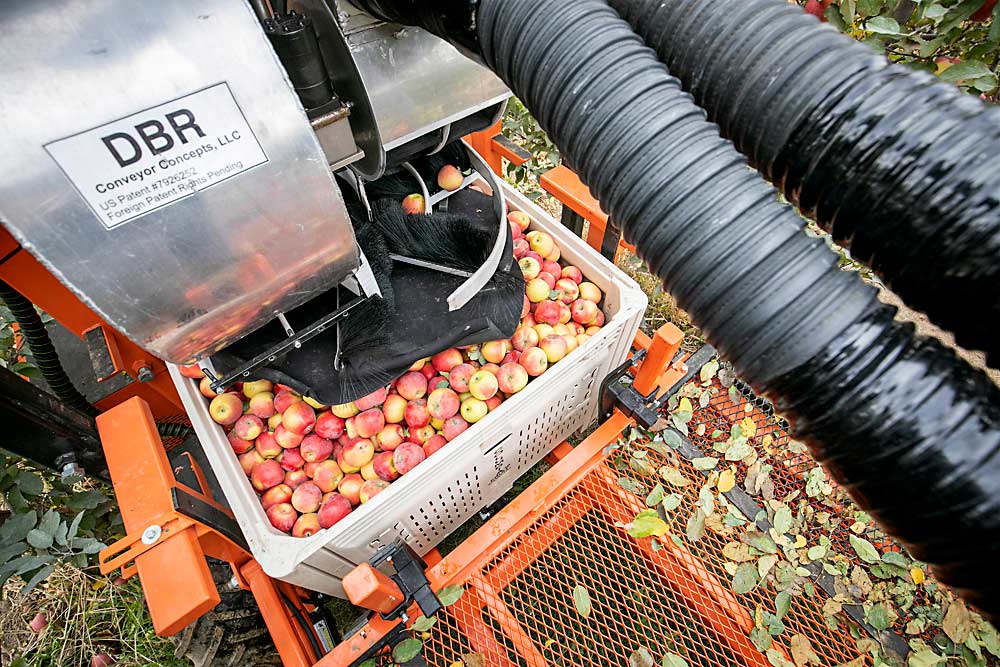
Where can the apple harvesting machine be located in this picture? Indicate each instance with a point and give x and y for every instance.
(218, 183)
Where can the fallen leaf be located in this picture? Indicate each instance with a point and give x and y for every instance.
(775, 657)
(673, 660)
(765, 564)
(783, 519)
(474, 660)
(749, 427)
(864, 549)
(673, 476)
(449, 595)
(407, 650)
(641, 657)
(671, 502)
(581, 600)
(695, 528)
(759, 541)
(646, 524)
(727, 480)
(655, 496)
(685, 405)
(925, 658)
(630, 485)
(799, 541)
(857, 662)
(917, 575)
(879, 617)
(802, 651)
(957, 624)
(782, 603)
(422, 624)
(705, 462)
(737, 551)
(709, 370)
(745, 579)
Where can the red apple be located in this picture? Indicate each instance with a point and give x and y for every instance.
(548, 279)
(205, 387)
(315, 448)
(445, 360)
(291, 459)
(483, 385)
(494, 350)
(568, 290)
(519, 218)
(226, 408)
(443, 403)
(449, 178)
(564, 313)
(590, 292)
(459, 376)
(40, 621)
(521, 248)
(248, 427)
(329, 426)
(306, 525)
(299, 418)
(412, 385)
(283, 399)
(310, 467)
(266, 474)
(584, 311)
(274, 421)
(417, 414)
(537, 290)
(530, 267)
(525, 306)
(262, 405)
(421, 435)
(306, 497)
(407, 456)
(413, 204)
(572, 273)
(535, 361)
(512, 378)
(369, 423)
(394, 408)
(335, 507)
(428, 372)
(515, 231)
(371, 400)
(286, 438)
(249, 460)
(358, 453)
(554, 348)
(239, 445)
(282, 516)
(295, 477)
(267, 446)
(453, 427)
(350, 487)
(390, 437)
(547, 312)
(281, 493)
(435, 443)
(372, 488)
(524, 337)
(541, 242)
(383, 466)
(327, 475)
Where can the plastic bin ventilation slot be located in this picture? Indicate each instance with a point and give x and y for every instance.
(471, 472)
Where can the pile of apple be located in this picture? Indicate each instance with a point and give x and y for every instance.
(312, 464)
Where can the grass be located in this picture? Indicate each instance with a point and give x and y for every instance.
(87, 615)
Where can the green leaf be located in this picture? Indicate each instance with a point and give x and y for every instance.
(370, 662)
(705, 463)
(673, 660)
(49, 523)
(74, 527)
(776, 658)
(761, 638)
(864, 549)
(847, 10)
(671, 502)
(745, 579)
(449, 595)
(833, 17)
(695, 528)
(29, 483)
(630, 485)
(39, 539)
(925, 658)
(647, 524)
(883, 25)
(655, 496)
(671, 438)
(816, 552)
(966, 70)
(760, 541)
(782, 603)
(85, 500)
(38, 577)
(407, 650)
(895, 558)
(709, 370)
(935, 12)
(878, 617)
(581, 600)
(8, 551)
(783, 519)
(674, 476)
(422, 624)
(17, 525)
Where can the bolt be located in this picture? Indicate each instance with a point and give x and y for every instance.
(151, 534)
(145, 374)
(71, 469)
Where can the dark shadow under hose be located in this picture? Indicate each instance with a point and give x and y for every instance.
(912, 432)
(899, 167)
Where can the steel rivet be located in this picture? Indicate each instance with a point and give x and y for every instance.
(151, 534)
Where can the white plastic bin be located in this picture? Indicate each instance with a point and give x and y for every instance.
(471, 472)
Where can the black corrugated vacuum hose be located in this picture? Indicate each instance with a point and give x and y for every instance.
(42, 350)
(912, 432)
(901, 168)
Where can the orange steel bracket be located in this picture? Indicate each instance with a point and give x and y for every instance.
(563, 184)
(287, 636)
(664, 346)
(368, 588)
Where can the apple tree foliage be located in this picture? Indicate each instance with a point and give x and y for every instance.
(959, 40)
(44, 519)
